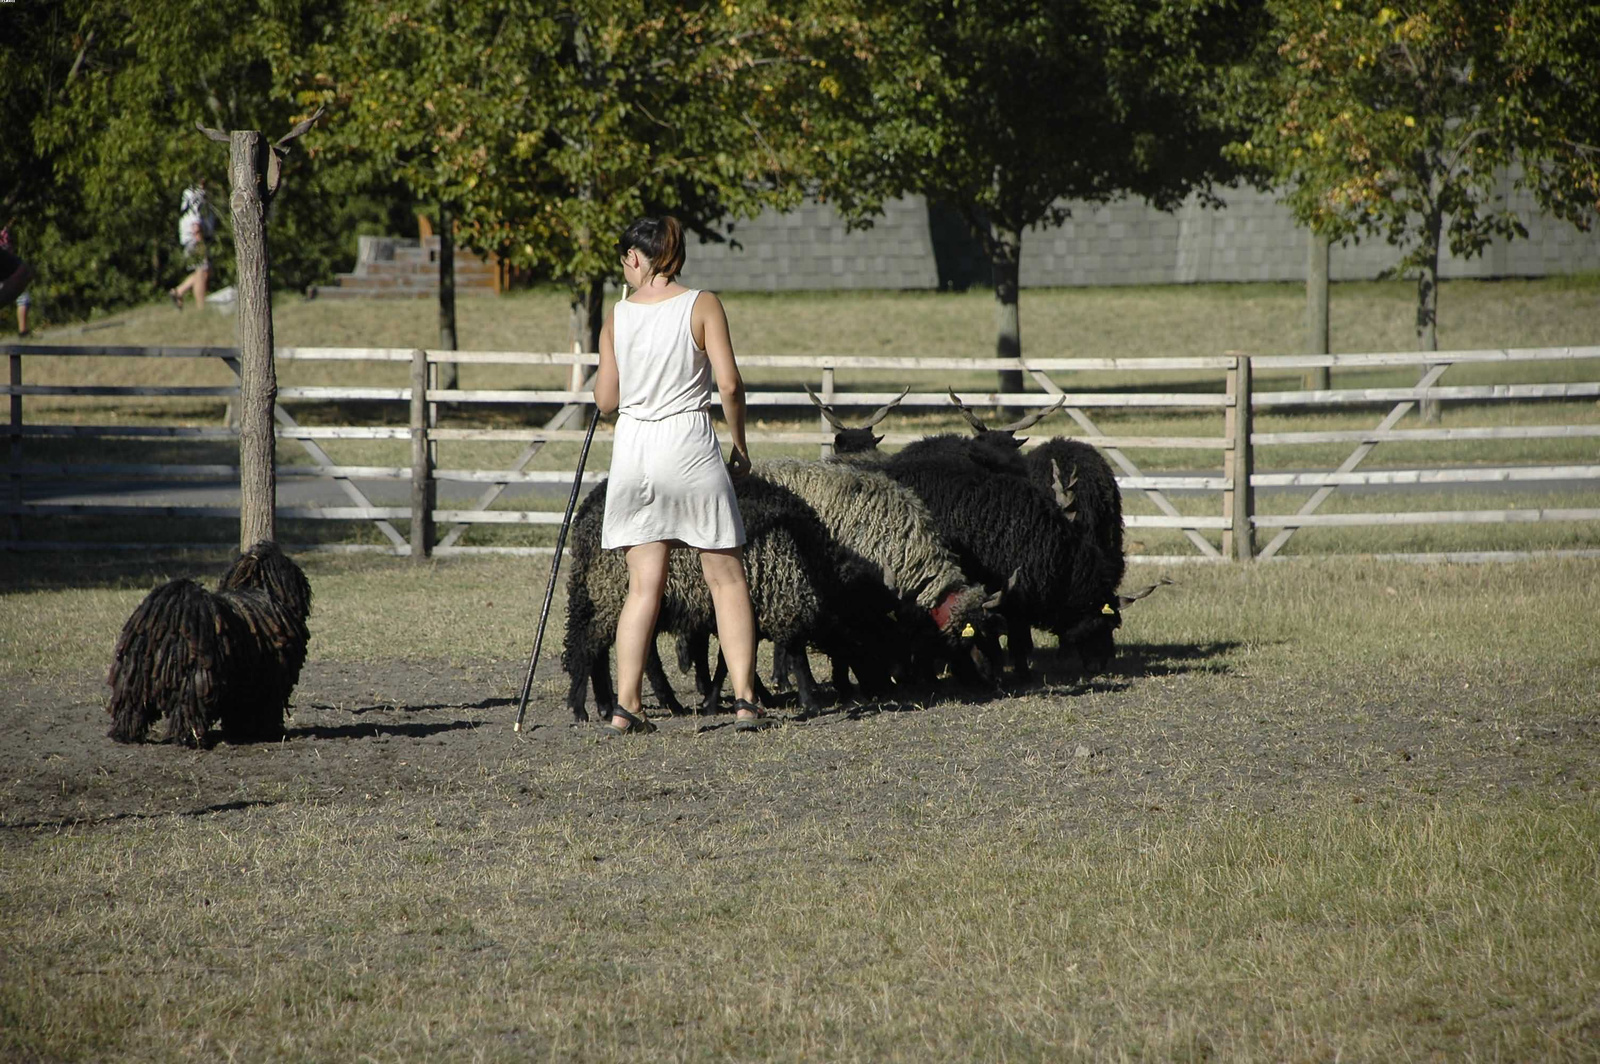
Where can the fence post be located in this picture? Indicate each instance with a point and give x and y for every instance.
(827, 399)
(422, 483)
(1238, 539)
(14, 451)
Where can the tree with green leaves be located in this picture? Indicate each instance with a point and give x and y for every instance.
(98, 119)
(548, 127)
(1401, 122)
(1007, 109)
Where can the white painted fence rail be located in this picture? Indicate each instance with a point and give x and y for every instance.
(1225, 386)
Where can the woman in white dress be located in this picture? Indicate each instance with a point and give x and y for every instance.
(660, 349)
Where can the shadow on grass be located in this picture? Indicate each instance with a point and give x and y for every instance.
(82, 821)
(199, 548)
(394, 707)
(380, 731)
(1139, 660)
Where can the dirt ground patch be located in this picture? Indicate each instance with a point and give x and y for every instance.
(1168, 735)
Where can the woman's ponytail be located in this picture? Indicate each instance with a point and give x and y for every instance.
(661, 241)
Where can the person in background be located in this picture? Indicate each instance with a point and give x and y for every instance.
(15, 275)
(196, 224)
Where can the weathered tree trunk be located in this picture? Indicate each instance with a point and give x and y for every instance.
(447, 372)
(249, 156)
(1317, 307)
(1428, 304)
(588, 313)
(1005, 258)
(254, 169)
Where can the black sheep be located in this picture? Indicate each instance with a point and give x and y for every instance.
(856, 442)
(1008, 533)
(1096, 497)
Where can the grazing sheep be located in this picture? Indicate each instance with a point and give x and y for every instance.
(1008, 533)
(1096, 497)
(803, 588)
(230, 657)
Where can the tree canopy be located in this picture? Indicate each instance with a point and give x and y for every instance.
(1402, 121)
(1006, 110)
(551, 126)
(99, 122)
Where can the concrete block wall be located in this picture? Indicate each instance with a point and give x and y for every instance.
(1252, 238)
(809, 249)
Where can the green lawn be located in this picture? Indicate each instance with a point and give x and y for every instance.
(1335, 810)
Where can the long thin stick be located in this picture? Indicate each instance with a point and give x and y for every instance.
(555, 567)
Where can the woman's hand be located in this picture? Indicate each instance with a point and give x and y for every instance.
(738, 463)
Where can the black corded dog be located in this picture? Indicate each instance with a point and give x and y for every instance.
(230, 657)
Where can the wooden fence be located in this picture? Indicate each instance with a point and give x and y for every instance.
(1229, 392)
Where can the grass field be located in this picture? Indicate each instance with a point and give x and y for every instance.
(1339, 810)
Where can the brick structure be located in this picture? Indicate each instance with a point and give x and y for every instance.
(399, 268)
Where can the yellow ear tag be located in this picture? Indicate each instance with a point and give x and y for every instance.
(968, 632)
(1107, 610)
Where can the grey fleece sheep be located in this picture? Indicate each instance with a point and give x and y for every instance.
(884, 523)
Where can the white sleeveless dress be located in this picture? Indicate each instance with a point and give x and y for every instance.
(667, 480)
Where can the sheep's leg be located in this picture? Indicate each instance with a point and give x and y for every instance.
(781, 666)
(712, 702)
(805, 685)
(579, 680)
(1019, 646)
(842, 689)
(656, 673)
(605, 695)
(693, 650)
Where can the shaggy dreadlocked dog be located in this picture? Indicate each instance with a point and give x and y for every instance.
(200, 658)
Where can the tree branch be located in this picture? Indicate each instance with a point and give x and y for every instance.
(78, 62)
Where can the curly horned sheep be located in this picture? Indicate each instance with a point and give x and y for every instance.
(1009, 534)
(1098, 500)
(856, 442)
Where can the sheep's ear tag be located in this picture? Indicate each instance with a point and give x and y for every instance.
(1107, 610)
(968, 632)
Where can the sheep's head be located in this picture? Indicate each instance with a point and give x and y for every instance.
(857, 439)
(1008, 431)
(1093, 637)
(969, 625)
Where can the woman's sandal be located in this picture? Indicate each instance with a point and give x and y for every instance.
(638, 724)
(177, 300)
(756, 723)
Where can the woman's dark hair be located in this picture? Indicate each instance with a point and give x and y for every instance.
(661, 241)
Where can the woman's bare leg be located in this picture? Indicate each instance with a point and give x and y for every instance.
(736, 622)
(636, 625)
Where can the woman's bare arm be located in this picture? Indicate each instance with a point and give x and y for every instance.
(710, 323)
(607, 390)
